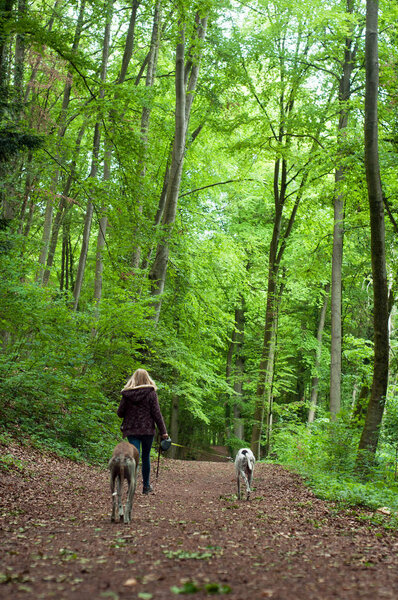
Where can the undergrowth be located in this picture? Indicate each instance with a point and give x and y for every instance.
(325, 453)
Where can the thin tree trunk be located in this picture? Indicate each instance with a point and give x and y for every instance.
(184, 99)
(146, 111)
(338, 230)
(94, 162)
(336, 333)
(315, 379)
(228, 379)
(62, 207)
(269, 384)
(238, 371)
(67, 258)
(158, 216)
(6, 7)
(27, 193)
(370, 434)
(265, 362)
(19, 66)
(276, 250)
(35, 69)
(129, 45)
(360, 405)
(103, 221)
(102, 226)
(48, 215)
(159, 268)
(29, 220)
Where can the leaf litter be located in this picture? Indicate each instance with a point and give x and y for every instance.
(191, 537)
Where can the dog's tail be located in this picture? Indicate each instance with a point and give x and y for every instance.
(249, 459)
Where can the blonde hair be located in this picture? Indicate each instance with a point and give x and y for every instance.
(139, 378)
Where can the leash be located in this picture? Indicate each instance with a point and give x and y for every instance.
(157, 468)
(211, 452)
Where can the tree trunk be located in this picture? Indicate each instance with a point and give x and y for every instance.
(269, 384)
(33, 74)
(6, 7)
(66, 282)
(62, 207)
(360, 405)
(228, 379)
(238, 372)
(94, 162)
(146, 111)
(103, 221)
(315, 379)
(184, 99)
(266, 357)
(27, 193)
(277, 246)
(274, 258)
(336, 333)
(370, 434)
(338, 230)
(42, 275)
(129, 45)
(19, 66)
(101, 237)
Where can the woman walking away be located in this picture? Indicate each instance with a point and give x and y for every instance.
(139, 409)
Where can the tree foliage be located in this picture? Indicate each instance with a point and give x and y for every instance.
(206, 265)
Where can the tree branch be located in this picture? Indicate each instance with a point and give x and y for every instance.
(213, 185)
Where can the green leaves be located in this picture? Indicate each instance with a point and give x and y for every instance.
(190, 587)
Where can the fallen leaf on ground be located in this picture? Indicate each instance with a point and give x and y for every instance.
(130, 582)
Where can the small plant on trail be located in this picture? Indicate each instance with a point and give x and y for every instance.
(190, 587)
(209, 552)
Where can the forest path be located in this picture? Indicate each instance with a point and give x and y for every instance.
(58, 541)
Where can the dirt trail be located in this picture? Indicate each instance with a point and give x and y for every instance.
(57, 540)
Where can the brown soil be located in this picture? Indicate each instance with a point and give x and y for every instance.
(58, 541)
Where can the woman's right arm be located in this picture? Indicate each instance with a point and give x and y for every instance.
(156, 414)
(122, 408)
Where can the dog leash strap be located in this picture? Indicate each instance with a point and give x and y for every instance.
(157, 469)
(211, 452)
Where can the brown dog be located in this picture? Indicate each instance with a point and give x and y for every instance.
(123, 465)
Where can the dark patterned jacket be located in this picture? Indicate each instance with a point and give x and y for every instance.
(139, 409)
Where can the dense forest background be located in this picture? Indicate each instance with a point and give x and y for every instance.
(185, 188)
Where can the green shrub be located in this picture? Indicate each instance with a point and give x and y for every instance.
(325, 455)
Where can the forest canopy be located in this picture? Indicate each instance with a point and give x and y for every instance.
(206, 190)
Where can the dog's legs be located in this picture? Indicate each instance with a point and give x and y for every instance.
(114, 501)
(119, 487)
(134, 472)
(250, 484)
(130, 466)
(238, 482)
(250, 478)
(127, 507)
(247, 484)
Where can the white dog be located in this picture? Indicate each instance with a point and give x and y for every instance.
(244, 466)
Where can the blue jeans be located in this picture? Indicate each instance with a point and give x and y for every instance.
(146, 441)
